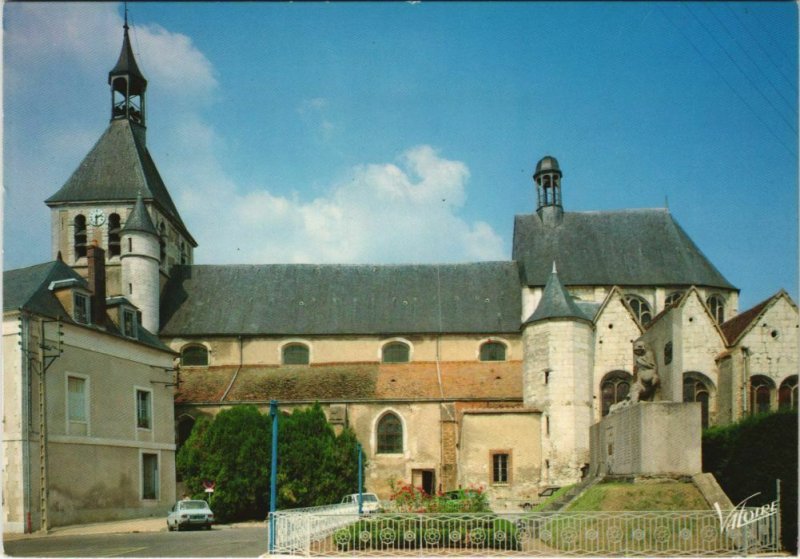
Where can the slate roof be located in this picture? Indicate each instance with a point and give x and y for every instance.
(495, 380)
(556, 302)
(117, 169)
(307, 299)
(126, 64)
(139, 219)
(28, 288)
(627, 247)
(737, 325)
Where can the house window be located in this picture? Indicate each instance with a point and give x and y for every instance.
(761, 388)
(640, 308)
(500, 467)
(493, 351)
(390, 434)
(673, 298)
(80, 236)
(144, 409)
(614, 388)
(113, 235)
(194, 356)
(77, 406)
(667, 353)
(149, 476)
(295, 354)
(396, 352)
(697, 388)
(80, 311)
(128, 323)
(716, 305)
(787, 394)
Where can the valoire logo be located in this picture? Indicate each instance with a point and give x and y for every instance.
(740, 517)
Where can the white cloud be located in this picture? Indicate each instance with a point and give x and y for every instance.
(380, 213)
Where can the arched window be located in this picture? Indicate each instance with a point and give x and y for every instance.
(716, 304)
(667, 353)
(697, 388)
(493, 351)
(194, 356)
(113, 235)
(183, 429)
(183, 253)
(641, 310)
(761, 389)
(787, 394)
(614, 388)
(673, 298)
(80, 236)
(396, 352)
(295, 354)
(390, 434)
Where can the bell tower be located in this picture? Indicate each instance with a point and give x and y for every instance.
(128, 85)
(548, 190)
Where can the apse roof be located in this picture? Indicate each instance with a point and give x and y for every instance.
(627, 247)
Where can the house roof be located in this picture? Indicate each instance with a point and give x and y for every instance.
(29, 289)
(488, 380)
(117, 169)
(307, 299)
(627, 247)
(737, 326)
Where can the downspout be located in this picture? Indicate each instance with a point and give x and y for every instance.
(745, 380)
(236, 374)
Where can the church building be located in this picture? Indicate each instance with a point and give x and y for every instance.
(451, 375)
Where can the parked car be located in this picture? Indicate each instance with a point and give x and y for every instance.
(369, 502)
(188, 513)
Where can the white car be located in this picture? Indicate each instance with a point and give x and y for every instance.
(188, 513)
(369, 502)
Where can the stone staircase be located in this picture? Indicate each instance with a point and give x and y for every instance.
(573, 493)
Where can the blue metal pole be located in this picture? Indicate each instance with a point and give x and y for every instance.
(360, 482)
(273, 474)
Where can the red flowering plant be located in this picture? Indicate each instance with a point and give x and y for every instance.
(407, 498)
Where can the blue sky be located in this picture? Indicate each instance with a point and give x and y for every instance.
(395, 133)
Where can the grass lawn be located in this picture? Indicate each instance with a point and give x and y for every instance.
(619, 496)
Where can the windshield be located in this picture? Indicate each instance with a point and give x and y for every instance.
(193, 505)
(369, 497)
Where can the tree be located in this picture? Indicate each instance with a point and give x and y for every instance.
(315, 467)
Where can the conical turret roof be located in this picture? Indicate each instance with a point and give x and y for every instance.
(139, 219)
(556, 302)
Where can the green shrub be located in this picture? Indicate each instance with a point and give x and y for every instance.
(747, 457)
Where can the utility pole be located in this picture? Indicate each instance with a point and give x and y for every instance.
(273, 474)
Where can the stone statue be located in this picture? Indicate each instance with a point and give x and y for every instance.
(645, 373)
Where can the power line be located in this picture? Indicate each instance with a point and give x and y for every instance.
(747, 54)
(722, 77)
(758, 44)
(732, 59)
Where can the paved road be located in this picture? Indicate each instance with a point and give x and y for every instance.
(218, 542)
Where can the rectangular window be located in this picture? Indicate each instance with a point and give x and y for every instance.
(144, 409)
(77, 406)
(128, 323)
(80, 308)
(149, 476)
(500, 464)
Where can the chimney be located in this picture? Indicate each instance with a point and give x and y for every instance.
(96, 260)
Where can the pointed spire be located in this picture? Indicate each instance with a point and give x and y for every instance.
(556, 302)
(126, 66)
(139, 219)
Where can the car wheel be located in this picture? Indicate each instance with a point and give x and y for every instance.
(169, 526)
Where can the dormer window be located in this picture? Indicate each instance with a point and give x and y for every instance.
(80, 308)
(129, 323)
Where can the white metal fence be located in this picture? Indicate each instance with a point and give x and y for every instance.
(661, 533)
